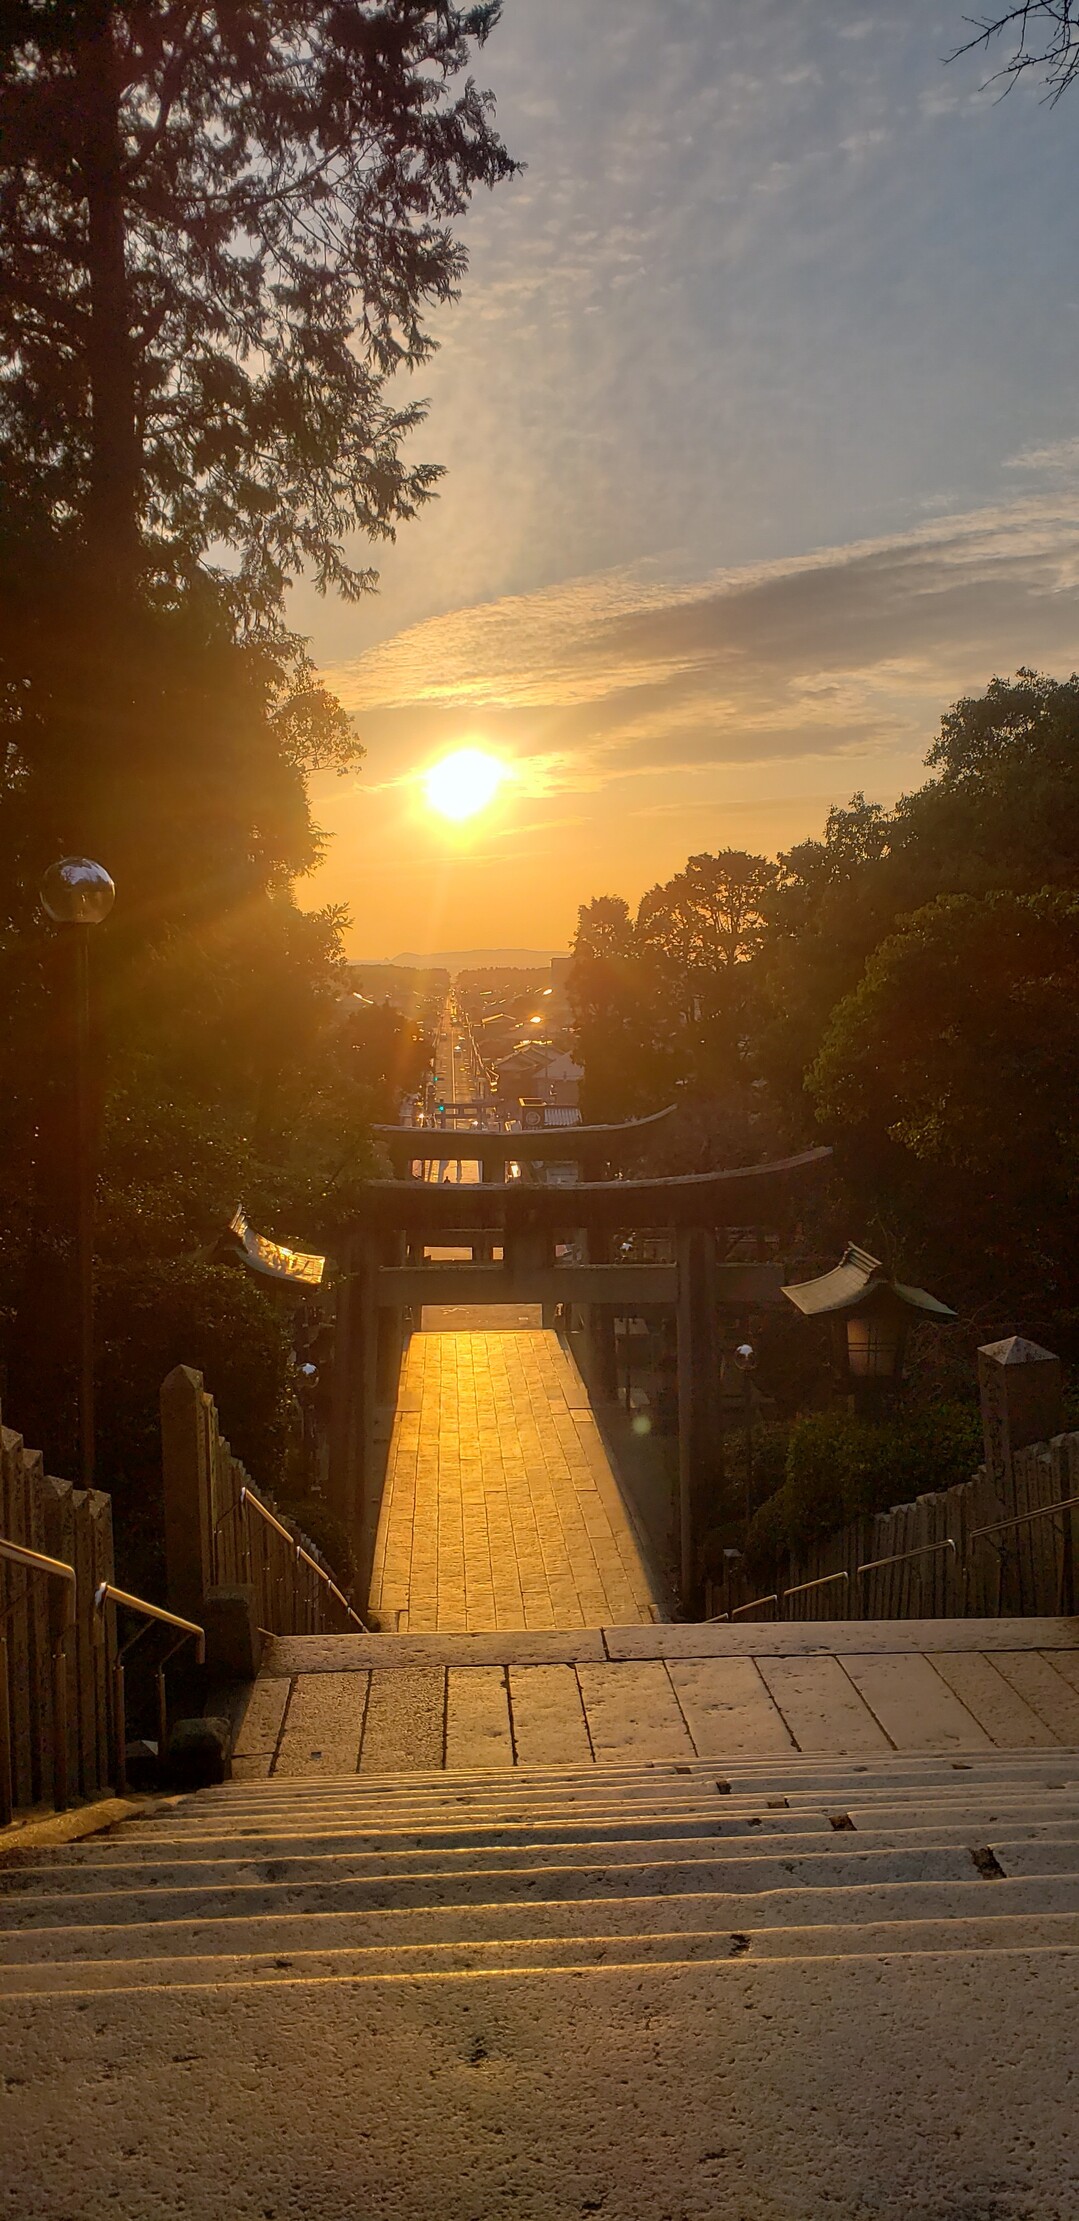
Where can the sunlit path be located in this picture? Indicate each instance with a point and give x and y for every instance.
(500, 1507)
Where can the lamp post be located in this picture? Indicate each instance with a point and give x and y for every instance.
(745, 1357)
(76, 894)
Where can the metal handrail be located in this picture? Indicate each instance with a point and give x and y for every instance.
(247, 1496)
(108, 1593)
(899, 1557)
(921, 1550)
(754, 1605)
(151, 1615)
(1022, 1518)
(820, 1583)
(37, 1562)
(56, 1569)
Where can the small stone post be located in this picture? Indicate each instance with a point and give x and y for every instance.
(1019, 1384)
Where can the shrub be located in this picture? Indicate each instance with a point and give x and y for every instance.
(841, 1467)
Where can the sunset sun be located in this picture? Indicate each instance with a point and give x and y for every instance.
(464, 783)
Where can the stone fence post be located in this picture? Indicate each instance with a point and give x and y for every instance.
(198, 1471)
(188, 1491)
(1019, 1386)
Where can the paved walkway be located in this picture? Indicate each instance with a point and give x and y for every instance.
(500, 1508)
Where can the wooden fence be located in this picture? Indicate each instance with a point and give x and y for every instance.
(75, 1526)
(220, 1532)
(987, 1547)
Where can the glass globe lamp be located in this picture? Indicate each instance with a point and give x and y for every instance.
(77, 891)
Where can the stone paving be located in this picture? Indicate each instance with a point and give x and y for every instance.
(500, 1507)
(661, 1694)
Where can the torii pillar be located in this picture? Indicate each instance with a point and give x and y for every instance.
(700, 1420)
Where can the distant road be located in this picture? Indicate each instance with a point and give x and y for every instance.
(458, 1081)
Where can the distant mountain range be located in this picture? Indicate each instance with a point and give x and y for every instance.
(468, 960)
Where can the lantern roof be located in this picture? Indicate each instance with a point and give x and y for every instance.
(271, 1260)
(855, 1282)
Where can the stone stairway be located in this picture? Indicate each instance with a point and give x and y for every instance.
(453, 1873)
(767, 1989)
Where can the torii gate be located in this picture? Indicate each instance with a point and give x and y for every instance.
(377, 1287)
(596, 1149)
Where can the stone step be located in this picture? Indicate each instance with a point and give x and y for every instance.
(222, 1862)
(797, 1769)
(896, 2085)
(1016, 1942)
(706, 1795)
(518, 1793)
(529, 1836)
(138, 1923)
(515, 1792)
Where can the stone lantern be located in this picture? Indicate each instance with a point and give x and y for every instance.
(869, 1315)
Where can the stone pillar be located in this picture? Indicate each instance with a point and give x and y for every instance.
(188, 1491)
(352, 1462)
(1019, 1385)
(391, 1327)
(340, 1482)
(528, 1249)
(364, 1364)
(601, 1351)
(700, 1424)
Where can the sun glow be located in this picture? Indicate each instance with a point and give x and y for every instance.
(463, 783)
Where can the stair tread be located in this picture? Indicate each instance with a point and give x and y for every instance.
(152, 1926)
(1023, 1937)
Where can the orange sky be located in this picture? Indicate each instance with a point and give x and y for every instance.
(762, 445)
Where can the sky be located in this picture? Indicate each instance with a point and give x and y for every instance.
(760, 418)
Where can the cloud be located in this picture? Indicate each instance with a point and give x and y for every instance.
(1059, 455)
(853, 650)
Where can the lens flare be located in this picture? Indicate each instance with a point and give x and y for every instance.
(463, 783)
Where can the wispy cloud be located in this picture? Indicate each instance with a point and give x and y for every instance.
(1059, 455)
(850, 650)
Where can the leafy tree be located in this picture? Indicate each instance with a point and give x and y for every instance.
(1001, 812)
(604, 931)
(386, 1054)
(194, 792)
(662, 1001)
(624, 1054)
(951, 1074)
(709, 917)
(221, 229)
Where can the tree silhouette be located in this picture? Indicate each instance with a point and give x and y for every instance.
(222, 229)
